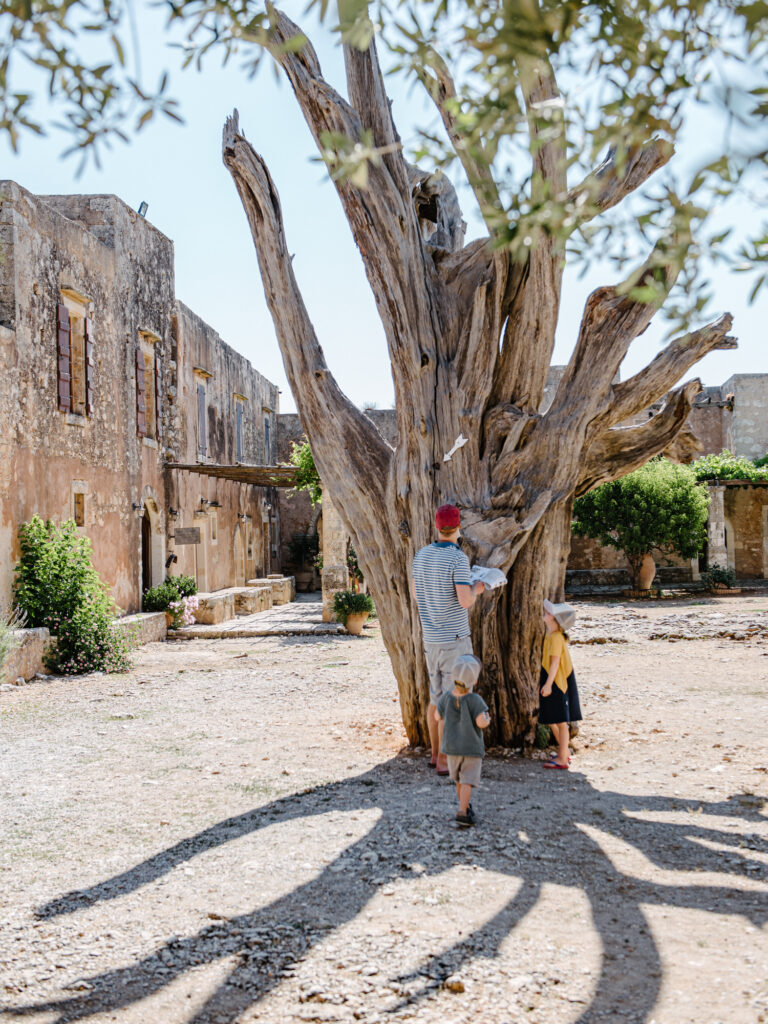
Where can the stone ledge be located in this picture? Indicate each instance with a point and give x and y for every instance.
(26, 660)
(215, 607)
(145, 627)
(283, 587)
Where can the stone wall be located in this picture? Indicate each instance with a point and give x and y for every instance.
(746, 430)
(746, 512)
(107, 264)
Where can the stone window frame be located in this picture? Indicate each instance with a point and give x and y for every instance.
(239, 402)
(148, 351)
(201, 377)
(79, 489)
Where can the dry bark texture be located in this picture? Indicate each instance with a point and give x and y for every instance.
(470, 336)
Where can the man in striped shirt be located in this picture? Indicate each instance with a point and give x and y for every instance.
(444, 594)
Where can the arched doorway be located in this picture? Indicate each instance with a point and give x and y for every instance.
(239, 557)
(146, 554)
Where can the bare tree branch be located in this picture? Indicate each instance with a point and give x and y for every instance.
(611, 182)
(474, 157)
(326, 413)
(619, 450)
(611, 321)
(646, 387)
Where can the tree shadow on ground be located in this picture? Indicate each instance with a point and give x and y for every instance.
(516, 840)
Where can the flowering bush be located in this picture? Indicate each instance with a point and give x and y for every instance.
(56, 586)
(173, 588)
(183, 611)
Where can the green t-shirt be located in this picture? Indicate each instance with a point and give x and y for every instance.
(461, 735)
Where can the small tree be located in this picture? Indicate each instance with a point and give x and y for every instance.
(658, 507)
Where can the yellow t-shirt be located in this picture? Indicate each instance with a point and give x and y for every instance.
(555, 646)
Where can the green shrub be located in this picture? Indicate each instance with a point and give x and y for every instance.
(186, 586)
(726, 466)
(173, 588)
(348, 602)
(543, 737)
(56, 586)
(716, 575)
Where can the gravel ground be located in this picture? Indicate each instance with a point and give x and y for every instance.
(236, 832)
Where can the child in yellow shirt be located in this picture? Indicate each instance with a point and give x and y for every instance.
(558, 694)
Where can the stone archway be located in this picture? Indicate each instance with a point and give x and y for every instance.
(152, 541)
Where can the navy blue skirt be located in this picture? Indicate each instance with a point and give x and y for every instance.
(558, 706)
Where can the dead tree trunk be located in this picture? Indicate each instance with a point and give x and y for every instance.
(470, 336)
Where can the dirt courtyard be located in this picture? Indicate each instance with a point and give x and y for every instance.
(236, 832)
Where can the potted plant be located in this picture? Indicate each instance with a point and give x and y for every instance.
(352, 610)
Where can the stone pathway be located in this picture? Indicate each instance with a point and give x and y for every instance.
(236, 833)
(302, 617)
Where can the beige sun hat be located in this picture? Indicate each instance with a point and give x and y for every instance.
(466, 669)
(563, 614)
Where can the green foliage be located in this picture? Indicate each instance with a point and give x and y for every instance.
(726, 466)
(173, 588)
(56, 586)
(716, 576)
(307, 478)
(627, 73)
(354, 566)
(10, 621)
(658, 507)
(186, 586)
(349, 602)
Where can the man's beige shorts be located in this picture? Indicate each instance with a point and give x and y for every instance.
(465, 770)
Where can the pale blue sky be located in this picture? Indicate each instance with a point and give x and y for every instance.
(178, 171)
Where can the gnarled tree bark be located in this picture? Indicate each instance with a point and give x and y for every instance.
(470, 336)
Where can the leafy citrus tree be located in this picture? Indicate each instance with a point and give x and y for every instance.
(659, 507)
(307, 478)
(563, 118)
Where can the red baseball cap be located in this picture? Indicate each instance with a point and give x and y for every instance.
(447, 518)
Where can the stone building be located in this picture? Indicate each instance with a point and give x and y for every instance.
(733, 416)
(108, 383)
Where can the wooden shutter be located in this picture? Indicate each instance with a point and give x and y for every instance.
(239, 432)
(201, 446)
(141, 405)
(63, 357)
(157, 396)
(88, 367)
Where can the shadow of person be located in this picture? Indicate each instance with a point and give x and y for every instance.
(590, 831)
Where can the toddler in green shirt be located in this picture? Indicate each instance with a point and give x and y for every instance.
(464, 715)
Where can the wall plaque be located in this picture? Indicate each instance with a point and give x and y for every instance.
(187, 535)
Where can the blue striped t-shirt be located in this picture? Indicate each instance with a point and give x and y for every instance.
(437, 568)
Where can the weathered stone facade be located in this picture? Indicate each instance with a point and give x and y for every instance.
(733, 415)
(100, 392)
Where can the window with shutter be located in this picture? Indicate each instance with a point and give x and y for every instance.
(157, 395)
(141, 405)
(88, 367)
(64, 373)
(201, 445)
(238, 431)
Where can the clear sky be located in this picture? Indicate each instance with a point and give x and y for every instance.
(178, 171)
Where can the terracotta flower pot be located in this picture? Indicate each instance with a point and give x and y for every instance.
(355, 623)
(647, 573)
